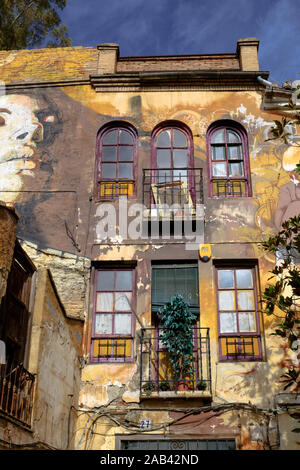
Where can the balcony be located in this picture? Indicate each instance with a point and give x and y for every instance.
(156, 378)
(16, 392)
(236, 347)
(172, 192)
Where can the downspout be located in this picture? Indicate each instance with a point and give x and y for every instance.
(264, 82)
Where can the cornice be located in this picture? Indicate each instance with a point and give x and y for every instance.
(180, 80)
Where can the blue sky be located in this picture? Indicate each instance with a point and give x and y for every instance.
(162, 27)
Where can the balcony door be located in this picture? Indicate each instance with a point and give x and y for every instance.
(172, 161)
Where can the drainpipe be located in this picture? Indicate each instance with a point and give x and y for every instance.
(264, 82)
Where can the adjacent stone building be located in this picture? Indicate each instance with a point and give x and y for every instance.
(136, 179)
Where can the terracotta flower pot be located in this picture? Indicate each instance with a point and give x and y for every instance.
(182, 385)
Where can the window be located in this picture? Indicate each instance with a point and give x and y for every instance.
(116, 157)
(238, 320)
(112, 333)
(172, 176)
(171, 279)
(168, 280)
(228, 160)
(147, 443)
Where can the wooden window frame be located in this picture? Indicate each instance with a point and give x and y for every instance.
(126, 337)
(117, 182)
(242, 336)
(228, 180)
(174, 125)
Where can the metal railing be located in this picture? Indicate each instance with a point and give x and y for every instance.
(16, 392)
(172, 186)
(240, 347)
(112, 349)
(156, 372)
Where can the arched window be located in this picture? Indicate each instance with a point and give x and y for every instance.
(172, 176)
(116, 157)
(228, 160)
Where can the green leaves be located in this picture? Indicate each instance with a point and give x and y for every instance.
(283, 293)
(29, 23)
(177, 335)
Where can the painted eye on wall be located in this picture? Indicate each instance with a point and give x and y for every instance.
(2, 121)
(49, 118)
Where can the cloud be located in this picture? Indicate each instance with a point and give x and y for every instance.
(163, 27)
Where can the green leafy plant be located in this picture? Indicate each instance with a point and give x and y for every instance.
(177, 336)
(281, 298)
(164, 386)
(201, 385)
(149, 387)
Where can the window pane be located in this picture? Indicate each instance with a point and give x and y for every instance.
(122, 324)
(233, 137)
(246, 322)
(110, 138)
(105, 280)
(124, 280)
(109, 154)
(105, 302)
(226, 279)
(164, 158)
(228, 322)
(164, 139)
(218, 153)
(245, 300)
(123, 301)
(218, 137)
(125, 154)
(103, 324)
(125, 170)
(236, 169)
(164, 176)
(219, 169)
(235, 152)
(226, 300)
(244, 278)
(180, 159)
(180, 175)
(125, 137)
(109, 170)
(179, 139)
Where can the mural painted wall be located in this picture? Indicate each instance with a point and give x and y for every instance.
(48, 165)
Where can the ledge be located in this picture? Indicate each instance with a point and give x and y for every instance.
(176, 80)
(186, 394)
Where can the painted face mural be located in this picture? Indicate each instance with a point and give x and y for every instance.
(22, 131)
(289, 196)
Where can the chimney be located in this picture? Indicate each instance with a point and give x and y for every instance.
(247, 52)
(107, 58)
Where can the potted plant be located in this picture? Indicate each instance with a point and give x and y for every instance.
(164, 386)
(201, 385)
(177, 336)
(149, 387)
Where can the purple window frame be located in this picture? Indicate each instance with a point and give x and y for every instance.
(254, 334)
(171, 125)
(102, 133)
(235, 127)
(95, 335)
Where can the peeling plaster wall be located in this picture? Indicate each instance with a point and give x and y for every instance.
(57, 367)
(52, 184)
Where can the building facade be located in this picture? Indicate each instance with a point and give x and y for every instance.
(136, 179)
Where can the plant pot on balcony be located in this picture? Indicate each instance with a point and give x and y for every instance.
(182, 386)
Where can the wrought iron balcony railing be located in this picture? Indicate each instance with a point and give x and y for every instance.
(177, 187)
(237, 347)
(16, 392)
(156, 371)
